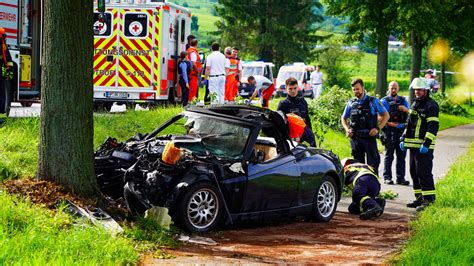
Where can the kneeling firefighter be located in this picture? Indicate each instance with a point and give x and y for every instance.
(365, 186)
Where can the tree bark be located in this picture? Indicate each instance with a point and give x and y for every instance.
(416, 48)
(66, 138)
(382, 61)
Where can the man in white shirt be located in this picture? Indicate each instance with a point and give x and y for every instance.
(263, 87)
(317, 81)
(216, 71)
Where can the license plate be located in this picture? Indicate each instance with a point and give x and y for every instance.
(116, 94)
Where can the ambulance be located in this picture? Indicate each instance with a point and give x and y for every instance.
(21, 20)
(301, 72)
(136, 50)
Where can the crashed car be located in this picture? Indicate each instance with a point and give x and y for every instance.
(221, 165)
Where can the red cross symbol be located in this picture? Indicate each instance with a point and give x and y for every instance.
(100, 27)
(135, 27)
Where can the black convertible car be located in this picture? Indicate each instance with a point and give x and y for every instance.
(228, 164)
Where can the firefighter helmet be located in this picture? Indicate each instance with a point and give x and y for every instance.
(2, 31)
(419, 83)
(296, 125)
(346, 161)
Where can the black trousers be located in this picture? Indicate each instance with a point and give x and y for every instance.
(3, 95)
(393, 146)
(421, 171)
(362, 146)
(184, 92)
(364, 194)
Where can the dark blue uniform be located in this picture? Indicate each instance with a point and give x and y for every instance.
(365, 189)
(298, 106)
(392, 135)
(421, 130)
(362, 114)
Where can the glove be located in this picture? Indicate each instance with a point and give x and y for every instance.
(206, 82)
(423, 149)
(402, 146)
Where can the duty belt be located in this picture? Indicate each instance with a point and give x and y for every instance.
(361, 134)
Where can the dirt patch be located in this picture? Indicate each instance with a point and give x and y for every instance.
(43, 193)
(345, 239)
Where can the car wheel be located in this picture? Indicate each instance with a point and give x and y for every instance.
(200, 210)
(325, 200)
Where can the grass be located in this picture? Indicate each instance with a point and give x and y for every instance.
(31, 235)
(444, 233)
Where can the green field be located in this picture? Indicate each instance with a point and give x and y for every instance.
(444, 233)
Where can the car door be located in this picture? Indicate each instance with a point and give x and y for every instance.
(272, 185)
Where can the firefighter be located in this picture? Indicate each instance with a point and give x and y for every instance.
(7, 73)
(363, 128)
(419, 137)
(365, 185)
(397, 107)
(193, 56)
(297, 105)
(233, 74)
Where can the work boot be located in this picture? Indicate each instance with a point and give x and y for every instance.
(353, 208)
(423, 206)
(388, 181)
(373, 212)
(381, 202)
(415, 203)
(403, 182)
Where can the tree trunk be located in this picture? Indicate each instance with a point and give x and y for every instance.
(382, 61)
(443, 77)
(416, 49)
(66, 138)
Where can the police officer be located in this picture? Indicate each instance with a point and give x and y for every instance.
(397, 107)
(365, 185)
(297, 105)
(419, 137)
(360, 123)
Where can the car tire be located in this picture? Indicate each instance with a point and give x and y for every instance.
(325, 201)
(200, 209)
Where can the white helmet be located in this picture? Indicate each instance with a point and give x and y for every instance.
(419, 83)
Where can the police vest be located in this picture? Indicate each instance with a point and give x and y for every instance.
(189, 66)
(422, 125)
(198, 61)
(396, 115)
(361, 117)
(355, 171)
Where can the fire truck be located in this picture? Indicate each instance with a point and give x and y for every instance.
(21, 20)
(136, 48)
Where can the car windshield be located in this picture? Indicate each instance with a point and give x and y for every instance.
(252, 71)
(219, 137)
(285, 75)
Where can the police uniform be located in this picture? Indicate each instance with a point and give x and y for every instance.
(365, 186)
(362, 114)
(299, 106)
(6, 67)
(421, 130)
(392, 137)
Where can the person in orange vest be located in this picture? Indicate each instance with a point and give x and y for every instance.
(233, 76)
(193, 56)
(6, 64)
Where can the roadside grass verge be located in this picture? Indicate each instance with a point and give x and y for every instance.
(444, 233)
(448, 121)
(31, 235)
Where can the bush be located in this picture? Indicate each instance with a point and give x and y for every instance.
(447, 107)
(326, 111)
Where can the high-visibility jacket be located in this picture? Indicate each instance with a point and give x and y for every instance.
(198, 61)
(422, 125)
(234, 68)
(354, 171)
